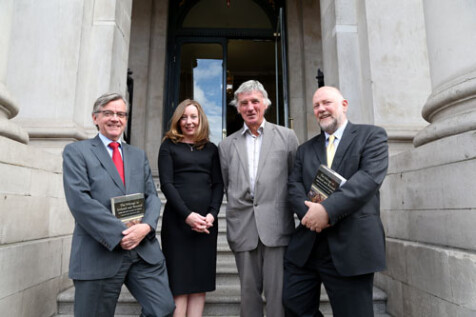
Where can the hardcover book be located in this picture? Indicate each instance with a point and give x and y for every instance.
(129, 208)
(325, 183)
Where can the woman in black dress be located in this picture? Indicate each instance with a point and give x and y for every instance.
(190, 178)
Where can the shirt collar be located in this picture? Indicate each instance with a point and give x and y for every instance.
(106, 140)
(339, 132)
(260, 129)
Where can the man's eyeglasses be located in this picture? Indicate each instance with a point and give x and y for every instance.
(109, 114)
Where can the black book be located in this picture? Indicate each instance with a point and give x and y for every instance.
(129, 208)
(325, 183)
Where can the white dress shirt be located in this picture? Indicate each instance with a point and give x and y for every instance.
(106, 142)
(253, 147)
(337, 134)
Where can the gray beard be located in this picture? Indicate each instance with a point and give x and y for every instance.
(330, 128)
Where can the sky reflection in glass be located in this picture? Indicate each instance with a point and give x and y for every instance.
(207, 90)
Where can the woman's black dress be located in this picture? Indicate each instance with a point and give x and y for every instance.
(191, 181)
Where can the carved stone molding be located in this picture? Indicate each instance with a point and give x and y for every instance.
(8, 110)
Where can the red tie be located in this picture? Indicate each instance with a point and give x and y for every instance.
(117, 159)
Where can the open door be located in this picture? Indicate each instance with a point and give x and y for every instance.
(200, 76)
(210, 56)
(282, 99)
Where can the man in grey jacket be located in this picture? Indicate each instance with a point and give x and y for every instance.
(105, 253)
(255, 162)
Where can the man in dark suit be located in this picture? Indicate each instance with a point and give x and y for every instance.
(340, 242)
(105, 254)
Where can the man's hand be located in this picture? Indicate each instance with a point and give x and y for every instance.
(316, 217)
(134, 235)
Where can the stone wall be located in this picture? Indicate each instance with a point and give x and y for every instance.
(375, 52)
(428, 198)
(398, 67)
(428, 208)
(35, 230)
(147, 61)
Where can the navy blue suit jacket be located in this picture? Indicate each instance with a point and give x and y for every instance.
(356, 236)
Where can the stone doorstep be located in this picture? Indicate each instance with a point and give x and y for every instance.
(206, 315)
(135, 315)
(222, 302)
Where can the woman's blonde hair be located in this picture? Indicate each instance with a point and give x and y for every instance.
(175, 133)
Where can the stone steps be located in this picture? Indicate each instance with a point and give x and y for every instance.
(224, 301)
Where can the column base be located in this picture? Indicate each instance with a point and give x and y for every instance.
(450, 109)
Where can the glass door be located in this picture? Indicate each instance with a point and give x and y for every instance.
(201, 77)
(282, 99)
(246, 60)
(210, 70)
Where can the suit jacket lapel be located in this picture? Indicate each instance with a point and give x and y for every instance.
(319, 146)
(347, 139)
(126, 156)
(106, 161)
(239, 142)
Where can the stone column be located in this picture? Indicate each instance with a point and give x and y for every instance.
(427, 199)
(304, 58)
(8, 107)
(346, 56)
(451, 107)
(61, 60)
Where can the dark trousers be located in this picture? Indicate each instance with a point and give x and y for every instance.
(348, 295)
(148, 283)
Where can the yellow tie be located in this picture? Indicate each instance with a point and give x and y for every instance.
(330, 150)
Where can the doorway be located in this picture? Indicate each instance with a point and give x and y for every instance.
(213, 48)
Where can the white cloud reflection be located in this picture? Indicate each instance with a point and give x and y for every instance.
(207, 90)
(208, 68)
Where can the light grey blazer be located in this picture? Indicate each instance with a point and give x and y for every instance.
(267, 216)
(90, 179)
